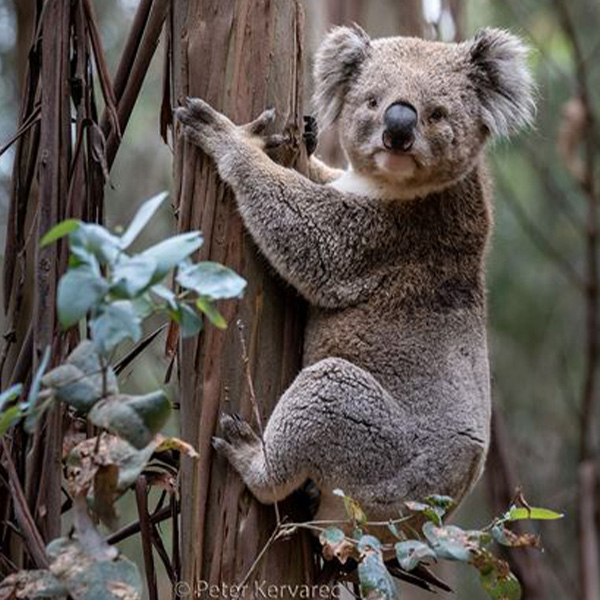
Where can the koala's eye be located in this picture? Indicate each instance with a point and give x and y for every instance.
(437, 114)
(372, 102)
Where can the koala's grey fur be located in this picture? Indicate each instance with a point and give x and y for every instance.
(393, 403)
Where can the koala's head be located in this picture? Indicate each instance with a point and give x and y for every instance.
(416, 112)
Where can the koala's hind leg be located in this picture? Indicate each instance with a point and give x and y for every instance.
(335, 424)
(245, 451)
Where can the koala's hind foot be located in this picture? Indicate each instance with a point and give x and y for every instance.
(244, 451)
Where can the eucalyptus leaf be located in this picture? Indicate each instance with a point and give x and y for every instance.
(80, 381)
(88, 579)
(164, 293)
(9, 417)
(97, 240)
(212, 313)
(412, 552)
(134, 418)
(534, 514)
(132, 275)
(59, 231)
(79, 290)
(501, 586)
(141, 218)
(117, 322)
(374, 578)
(211, 280)
(170, 252)
(190, 322)
(449, 542)
(12, 393)
(33, 407)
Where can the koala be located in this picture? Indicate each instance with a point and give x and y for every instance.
(393, 401)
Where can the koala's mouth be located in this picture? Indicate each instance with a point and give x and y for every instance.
(395, 163)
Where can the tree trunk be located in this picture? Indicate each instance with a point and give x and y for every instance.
(241, 57)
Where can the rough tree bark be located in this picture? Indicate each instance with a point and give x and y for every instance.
(241, 57)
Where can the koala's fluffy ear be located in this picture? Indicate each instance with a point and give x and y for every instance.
(337, 62)
(499, 71)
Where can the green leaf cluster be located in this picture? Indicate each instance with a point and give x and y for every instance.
(436, 541)
(116, 290)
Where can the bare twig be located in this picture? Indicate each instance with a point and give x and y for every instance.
(246, 361)
(135, 527)
(29, 530)
(31, 120)
(141, 495)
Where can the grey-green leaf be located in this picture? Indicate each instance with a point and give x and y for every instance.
(131, 276)
(79, 290)
(170, 252)
(375, 580)
(134, 418)
(412, 552)
(212, 280)
(33, 406)
(141, 218)
(98, 240)
(449, 542)
(80, 381)
(190, 322)
(117, 322)
(87, 579)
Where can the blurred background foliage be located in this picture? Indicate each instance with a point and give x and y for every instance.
(537, 312)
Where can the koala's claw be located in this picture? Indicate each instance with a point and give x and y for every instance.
(311, 134)
(237, 431)
(258, 126)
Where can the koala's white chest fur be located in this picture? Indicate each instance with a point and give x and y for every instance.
(352, 182)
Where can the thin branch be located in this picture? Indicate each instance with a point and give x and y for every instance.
(141, 495)
(29, 530)
(246, 361)
(135, 526)
(31, 120)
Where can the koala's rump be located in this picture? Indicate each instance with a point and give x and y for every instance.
(436, 367)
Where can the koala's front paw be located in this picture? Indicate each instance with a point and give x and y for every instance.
(239, 441)
(205, 127)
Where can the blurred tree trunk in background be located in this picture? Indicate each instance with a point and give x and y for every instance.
(25, 11)
(242, 58)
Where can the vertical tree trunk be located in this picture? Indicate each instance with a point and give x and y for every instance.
(241, 57)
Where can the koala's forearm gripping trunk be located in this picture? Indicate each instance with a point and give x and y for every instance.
(324, 251)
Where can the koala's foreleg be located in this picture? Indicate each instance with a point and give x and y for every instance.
(312, 235)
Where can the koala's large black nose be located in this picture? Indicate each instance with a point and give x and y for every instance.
(400, 121)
